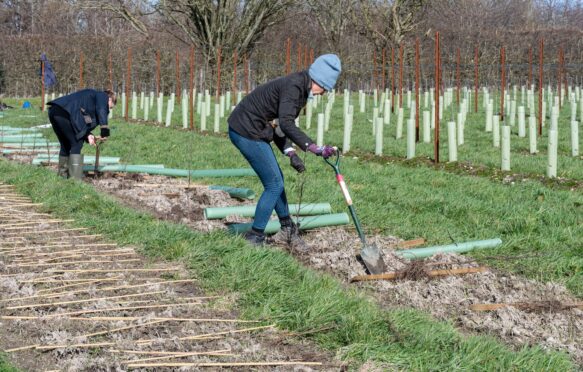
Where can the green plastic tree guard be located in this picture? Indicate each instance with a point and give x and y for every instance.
(249, 210)
(210, 173)
(413, 254)
(306, 223)
(235, 192)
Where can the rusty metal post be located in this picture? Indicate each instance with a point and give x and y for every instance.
(311, 55)
(81, 60)
(540, 87)
(191, 89)
(401, 75)
(392, 79)
(178, 87)
(503, 81)
(110, 68)
(383, 70)
(235, 58)
(299, 63)
(306, 57)
(564, 69)
(559, 78)
(287, 57)
(476, 82)
(218, 90)
(374, 69)
(157, 73)
(42, 85)
(437, 92)
(529, 67)
(246, 66)
(417, 79)
(458, 58)
(128, 83)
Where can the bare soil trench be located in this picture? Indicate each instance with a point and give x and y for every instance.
(541, 321)
(72, 301)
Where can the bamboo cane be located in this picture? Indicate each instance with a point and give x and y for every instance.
(214, 334)
(232, 364)
(111, 309)
(180, 355)
(32, 306)
(120, 329)
(73, 263)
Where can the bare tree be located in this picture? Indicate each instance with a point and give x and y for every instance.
(232, 25)
(386, 22)
(333, 17)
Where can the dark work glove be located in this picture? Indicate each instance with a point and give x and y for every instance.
(104, 132)
(323, 151)
(296, 162)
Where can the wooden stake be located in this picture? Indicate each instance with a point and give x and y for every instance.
(519, 305)
(540, 87)
(437, 91)
(476, 80)
(411, 243)
(432, 273)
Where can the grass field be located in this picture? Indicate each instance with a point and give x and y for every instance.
(537, 222)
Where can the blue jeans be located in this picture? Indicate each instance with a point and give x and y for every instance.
(260, 156)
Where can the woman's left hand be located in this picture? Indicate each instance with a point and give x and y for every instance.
(91, 139)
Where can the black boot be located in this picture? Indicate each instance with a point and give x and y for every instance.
(63, 169)
(290, 235)
(255, 238)
(76, 166)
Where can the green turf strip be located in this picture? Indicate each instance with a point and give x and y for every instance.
(271, 284)
(5, 365)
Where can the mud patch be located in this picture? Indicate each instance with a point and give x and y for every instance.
(169, 198)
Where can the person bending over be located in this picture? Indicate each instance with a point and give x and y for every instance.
(73, 118)
(268, 114)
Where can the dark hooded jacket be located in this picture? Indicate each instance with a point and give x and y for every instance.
(281, 99)
(87, 109)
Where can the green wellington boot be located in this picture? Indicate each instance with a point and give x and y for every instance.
(76, 166)
(63, 169)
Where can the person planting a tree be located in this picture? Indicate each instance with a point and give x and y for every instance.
(268, 114)
(73, 117)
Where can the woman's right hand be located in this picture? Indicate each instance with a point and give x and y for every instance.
(91, 139)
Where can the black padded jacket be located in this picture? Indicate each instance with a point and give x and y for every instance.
(87, 108)
(281, 99)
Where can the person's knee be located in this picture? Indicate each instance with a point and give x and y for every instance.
(276, 186)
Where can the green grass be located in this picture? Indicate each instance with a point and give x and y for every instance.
(5, 366)
(408, 201)
(271, 284)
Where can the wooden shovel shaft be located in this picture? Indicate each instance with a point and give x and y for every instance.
(432, 273)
